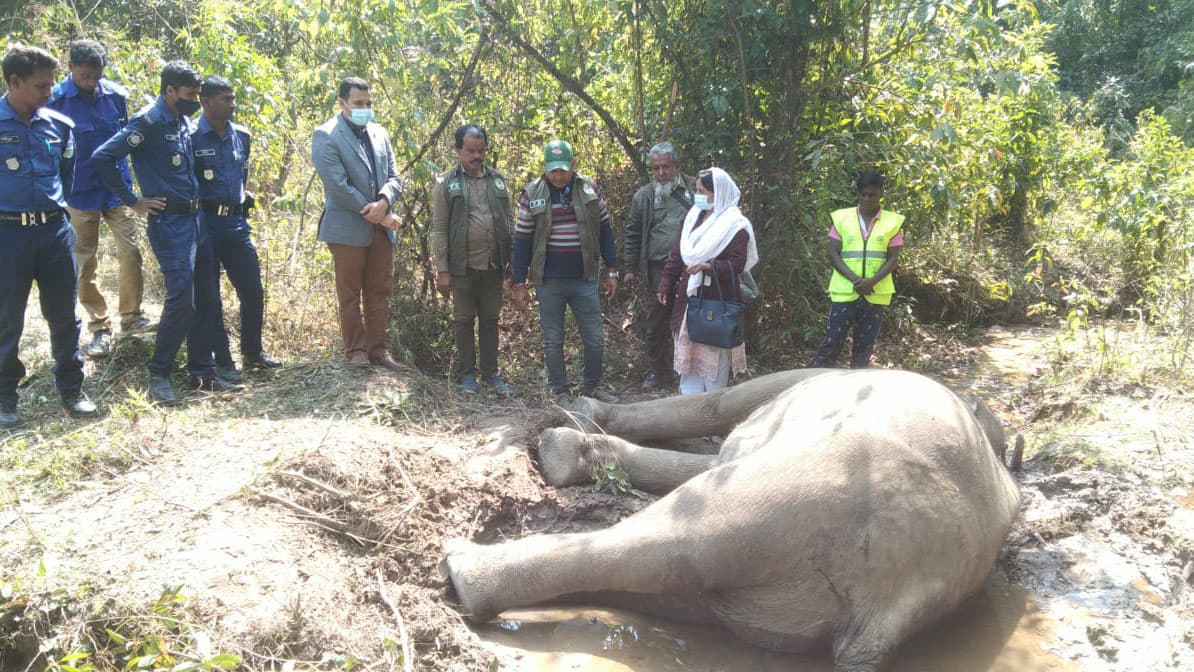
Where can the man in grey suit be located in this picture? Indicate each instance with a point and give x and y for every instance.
(360, 183)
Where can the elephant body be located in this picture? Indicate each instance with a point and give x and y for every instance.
(846, 509)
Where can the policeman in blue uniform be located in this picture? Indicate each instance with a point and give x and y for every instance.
(99, 108)
(158, 139)
(222, 151)
(37, 165)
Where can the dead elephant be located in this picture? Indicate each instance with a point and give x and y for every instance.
(845, 509)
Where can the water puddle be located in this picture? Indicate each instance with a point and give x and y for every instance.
(999, 630)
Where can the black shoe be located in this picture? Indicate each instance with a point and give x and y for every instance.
(77, 405)
(652, 380)
(161, 390)
(229, 374)
(100, 345)
(213, 384)
(260, 361)
(9, 416)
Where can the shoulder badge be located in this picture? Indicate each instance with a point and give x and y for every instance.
(68, 152)
(589, 189)
(115, 88)
(135, 139)
(537, 203)
(499, 183)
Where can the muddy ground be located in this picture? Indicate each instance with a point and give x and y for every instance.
(299, 524)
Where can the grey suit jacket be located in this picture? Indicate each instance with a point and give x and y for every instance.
(340, 160)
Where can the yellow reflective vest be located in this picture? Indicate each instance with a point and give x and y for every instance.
(864, 256)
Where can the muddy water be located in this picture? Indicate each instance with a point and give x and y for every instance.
(999, 630)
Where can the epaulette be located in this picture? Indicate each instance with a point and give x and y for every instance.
(113, 87)
(58, 116)
(241, 129)
(150, 113)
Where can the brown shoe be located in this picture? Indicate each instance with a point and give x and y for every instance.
(386, 362)
(359, 358)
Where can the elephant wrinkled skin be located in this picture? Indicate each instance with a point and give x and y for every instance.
(846, 509)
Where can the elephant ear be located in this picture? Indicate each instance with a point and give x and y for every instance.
(990, 425)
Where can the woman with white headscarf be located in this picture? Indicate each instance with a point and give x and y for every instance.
(714, 239)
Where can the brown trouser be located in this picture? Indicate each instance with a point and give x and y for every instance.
(658, 323)
(364, 275)
(130, 283)
(477, 297)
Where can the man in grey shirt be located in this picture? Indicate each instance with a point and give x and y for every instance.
(656, 213)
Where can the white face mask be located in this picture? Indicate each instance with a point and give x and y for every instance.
(702, 202)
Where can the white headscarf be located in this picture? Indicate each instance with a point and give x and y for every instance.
(720, 227)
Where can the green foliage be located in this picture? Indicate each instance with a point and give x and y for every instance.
(1128, 56)
(960, 104)
(610, 477)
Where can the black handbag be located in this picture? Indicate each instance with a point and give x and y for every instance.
(716, 322)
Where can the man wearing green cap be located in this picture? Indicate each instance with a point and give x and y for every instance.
(562, 235)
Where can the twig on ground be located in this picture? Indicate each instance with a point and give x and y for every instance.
(312, 516)
(415, 500)
(407, 665)
(318, 484)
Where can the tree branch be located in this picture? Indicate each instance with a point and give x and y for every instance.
(465, 83)
(573, 86)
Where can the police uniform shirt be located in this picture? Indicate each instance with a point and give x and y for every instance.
(160, 146)
(37, 160)
(96, 119)
(222, 164)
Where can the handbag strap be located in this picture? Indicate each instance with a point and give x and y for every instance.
(717, 282)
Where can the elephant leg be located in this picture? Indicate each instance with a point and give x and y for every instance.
(687, 416)
(568, 457)
(655, 551)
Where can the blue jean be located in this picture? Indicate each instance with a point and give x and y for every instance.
(172, 238)
(46, 254)
(234, 249)
(865, 318)
(582, 297)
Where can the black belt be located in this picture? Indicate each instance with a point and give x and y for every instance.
(177, 206)
(36, 218)
(219, 209)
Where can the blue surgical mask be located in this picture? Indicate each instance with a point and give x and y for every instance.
(701, 201)
(361, 115)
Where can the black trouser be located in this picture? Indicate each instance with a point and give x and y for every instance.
(865, 318)
(477, 297)
(658, 322)
(43, 253)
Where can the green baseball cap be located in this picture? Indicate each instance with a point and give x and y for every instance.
(556, 155)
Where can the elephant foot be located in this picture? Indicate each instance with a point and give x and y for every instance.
(563, 456)
(461, 566)
(589, 414)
